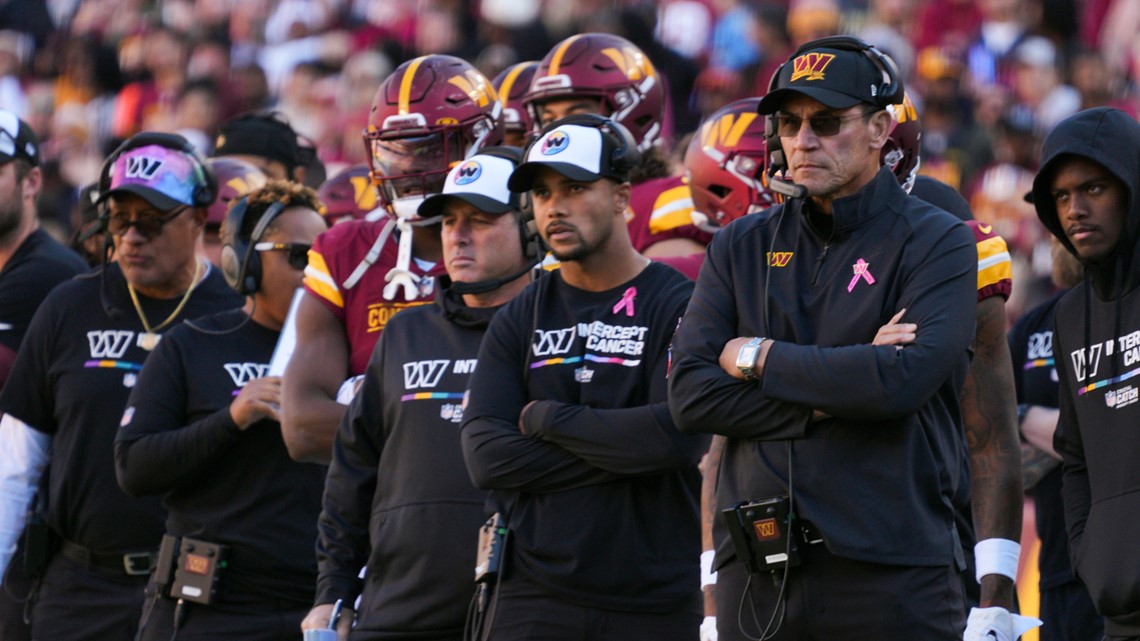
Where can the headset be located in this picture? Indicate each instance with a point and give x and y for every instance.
(623, 158)
(241, 263)
(529, 238)
(206, 189)
(521, 206)
(887, 92)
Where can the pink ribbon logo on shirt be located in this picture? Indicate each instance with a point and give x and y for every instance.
(861, 271)
(626, 301)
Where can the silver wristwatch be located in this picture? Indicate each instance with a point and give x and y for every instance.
(746, 358)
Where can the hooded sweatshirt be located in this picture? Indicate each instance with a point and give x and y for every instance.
(1096, 342)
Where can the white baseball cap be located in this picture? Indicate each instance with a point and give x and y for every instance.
(481, 180)
(577, 152)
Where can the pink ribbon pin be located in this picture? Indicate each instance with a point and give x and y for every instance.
(861, 271)
(626, 301)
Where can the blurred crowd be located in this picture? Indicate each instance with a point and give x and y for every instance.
(989, 77)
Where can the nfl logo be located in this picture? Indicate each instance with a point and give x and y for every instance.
(447, 411)
(1110, 398)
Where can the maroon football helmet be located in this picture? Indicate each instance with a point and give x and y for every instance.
(725, 165)
(236, 178)
(511, 85)
(901, 153)
(428, 115)
(348, 195)
(607, 67)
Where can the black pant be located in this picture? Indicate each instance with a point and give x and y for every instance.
(1069, 615)
(14, 596)
(524, 612)
(235, 616)
(77, 604)
(828, 598)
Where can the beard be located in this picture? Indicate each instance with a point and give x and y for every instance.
(11, 214)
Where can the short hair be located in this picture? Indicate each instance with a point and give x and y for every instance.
(258, 201)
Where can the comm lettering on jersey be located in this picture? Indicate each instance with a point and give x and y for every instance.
(380, 313)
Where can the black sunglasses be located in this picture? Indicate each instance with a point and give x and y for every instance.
(788, 126)
(297, 256)
(148, 226)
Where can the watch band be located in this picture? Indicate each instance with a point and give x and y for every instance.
(746, 358)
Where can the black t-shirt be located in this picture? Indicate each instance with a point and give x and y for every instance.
(221, 484)
(37, 266)
(71, 379)
(1035, 377)
(601, 492)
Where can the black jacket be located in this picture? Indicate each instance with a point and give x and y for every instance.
(397, 495)
(1096, 339)
(600, 490)
(878, 477)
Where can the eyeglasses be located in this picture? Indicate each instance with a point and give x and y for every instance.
(148, 226)
(788, 126)
(298, 256)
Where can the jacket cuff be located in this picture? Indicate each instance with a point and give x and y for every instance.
(331, 588)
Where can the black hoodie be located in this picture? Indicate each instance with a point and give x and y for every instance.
(397, 496)
(1096, 340)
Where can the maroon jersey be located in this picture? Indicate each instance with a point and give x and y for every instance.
(360, 306)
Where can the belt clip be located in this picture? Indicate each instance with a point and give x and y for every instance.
(138, 563)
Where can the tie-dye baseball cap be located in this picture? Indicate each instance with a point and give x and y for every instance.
(164, 177)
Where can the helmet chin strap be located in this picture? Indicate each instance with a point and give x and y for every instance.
(401, 275)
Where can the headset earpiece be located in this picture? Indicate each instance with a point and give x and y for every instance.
(241, 263)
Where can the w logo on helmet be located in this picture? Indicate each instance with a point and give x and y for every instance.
(631, 61)
(555, 143)
(143, 167)
(726, 130)
(476, 86)
(468, 173)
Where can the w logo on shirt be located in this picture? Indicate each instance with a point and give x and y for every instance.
(242, 373)
(143, 167)
(779, 259)
(109, 343)
(424, 373)
(555, 341)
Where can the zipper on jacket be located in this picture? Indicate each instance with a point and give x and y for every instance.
(819, 261)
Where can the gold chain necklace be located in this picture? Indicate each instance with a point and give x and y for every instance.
(149, 339)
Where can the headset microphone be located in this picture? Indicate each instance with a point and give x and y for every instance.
(483, 286)
(787, 188)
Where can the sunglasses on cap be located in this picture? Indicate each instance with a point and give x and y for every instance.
(148, 226)
(788, 126)
(297, 256)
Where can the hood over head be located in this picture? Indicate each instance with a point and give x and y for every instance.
(1111, 138)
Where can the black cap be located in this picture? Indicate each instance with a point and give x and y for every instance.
(838, 78)
(259, 135)
(17, 140)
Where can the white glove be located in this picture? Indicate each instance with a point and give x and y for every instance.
(997, 624)
(708, 629)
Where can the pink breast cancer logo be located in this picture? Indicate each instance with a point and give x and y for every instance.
(862, 270)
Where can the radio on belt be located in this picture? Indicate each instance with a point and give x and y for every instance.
(200, 566)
